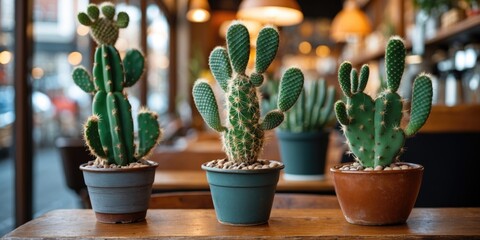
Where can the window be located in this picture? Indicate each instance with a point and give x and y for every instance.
(59, 106)
(7, 114)
(158, 61)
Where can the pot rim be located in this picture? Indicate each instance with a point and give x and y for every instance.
(84, 167)
(244, 171)
(416, 167)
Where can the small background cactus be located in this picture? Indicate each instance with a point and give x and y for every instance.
(311, 112)
(243, 135)
(109, 132)
(372, 127)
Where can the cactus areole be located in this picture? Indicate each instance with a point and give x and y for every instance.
(372, 127)
(243, 132)
(109, 132)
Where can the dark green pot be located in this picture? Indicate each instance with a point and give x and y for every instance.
(304, 154)
(242, 197)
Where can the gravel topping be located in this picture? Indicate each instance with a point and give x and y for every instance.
(103, 163)
(358, 167)
(260, 164)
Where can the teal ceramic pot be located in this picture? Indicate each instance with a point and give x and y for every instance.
(119, 195)
(304, 154)
(243, 197)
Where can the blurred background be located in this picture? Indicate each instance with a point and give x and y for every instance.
(41, 42)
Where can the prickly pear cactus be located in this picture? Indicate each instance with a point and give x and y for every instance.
(312, 110)
(243, 135)
(372, 127)
(109, 132)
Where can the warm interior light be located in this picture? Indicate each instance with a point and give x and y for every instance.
(322, 51)
(75, 58)
(276, 12)
(163, 62)
(413, 59)
(198, 11)
(37, 72)
(121, 44)
(198, 15)
(305, 47)
(350, 22)
(252, 26)
(82, 30)
(5, 57)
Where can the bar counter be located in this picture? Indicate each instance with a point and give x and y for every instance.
(430, 223)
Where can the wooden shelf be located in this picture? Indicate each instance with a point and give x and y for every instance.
(370, 56)
(456, 119)
(463, 31)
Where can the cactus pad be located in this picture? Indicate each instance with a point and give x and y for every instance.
(421, 104)
(104, 29)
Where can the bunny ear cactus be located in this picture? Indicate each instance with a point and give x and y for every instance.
(243, 136)
(109, 132)
(372, 127)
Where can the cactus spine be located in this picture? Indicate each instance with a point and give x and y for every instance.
(312, 110)
(243, 136)
(109, 132)
(372, 127)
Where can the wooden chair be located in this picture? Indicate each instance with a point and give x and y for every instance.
(203, 200)
(74, 153)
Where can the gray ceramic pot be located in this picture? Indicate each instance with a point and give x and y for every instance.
(304, 154)
(243, 197)
(119, 195)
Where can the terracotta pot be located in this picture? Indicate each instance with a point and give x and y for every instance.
(119, 195)
(377, 197)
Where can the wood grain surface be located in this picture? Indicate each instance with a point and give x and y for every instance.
(431, 223)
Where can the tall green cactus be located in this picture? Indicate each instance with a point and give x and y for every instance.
(372, 127)
(312, 110)
(243, 135)
(109, 132)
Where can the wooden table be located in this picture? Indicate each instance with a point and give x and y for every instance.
(196, 180)
(446, 223)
